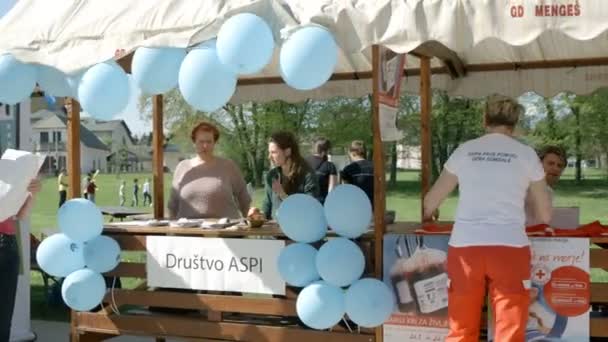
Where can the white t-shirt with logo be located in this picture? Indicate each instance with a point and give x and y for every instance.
(494, 173)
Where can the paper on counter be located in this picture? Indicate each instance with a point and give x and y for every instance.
(17, 169)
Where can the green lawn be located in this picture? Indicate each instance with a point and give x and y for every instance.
(591, 196)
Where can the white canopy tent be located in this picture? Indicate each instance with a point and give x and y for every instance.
(467, 47)
(494, 43)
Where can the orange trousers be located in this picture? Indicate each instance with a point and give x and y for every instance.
(505, 273)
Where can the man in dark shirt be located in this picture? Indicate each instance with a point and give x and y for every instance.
(360, 172)
(325, 170)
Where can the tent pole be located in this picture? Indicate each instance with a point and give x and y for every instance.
(157, 156)
(73, 147)
(379, 175)
(425, 126)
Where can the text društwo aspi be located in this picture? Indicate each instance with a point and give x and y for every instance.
(204, 263)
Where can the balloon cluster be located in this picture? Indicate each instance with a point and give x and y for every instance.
(79, 254)
(338, 264)
(206, 75)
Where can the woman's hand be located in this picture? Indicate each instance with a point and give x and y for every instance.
(277, 188)
(35, 186)
(253, 211)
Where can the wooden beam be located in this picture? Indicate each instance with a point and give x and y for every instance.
(425, 126)
(219, 303)
(73, 147)
(468, 68)
(158, 142)
(449, 58)
(598, 258)
(379, 175)
(193, 327)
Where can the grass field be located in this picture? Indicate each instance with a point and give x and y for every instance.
(591, 196)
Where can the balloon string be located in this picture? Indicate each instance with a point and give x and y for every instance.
(347, 326)
(113, 303)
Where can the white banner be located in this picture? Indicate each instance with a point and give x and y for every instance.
(238, 265)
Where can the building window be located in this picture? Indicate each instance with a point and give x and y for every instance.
(56, 136)
(44, 137)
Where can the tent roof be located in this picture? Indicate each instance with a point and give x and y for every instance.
(479, 38)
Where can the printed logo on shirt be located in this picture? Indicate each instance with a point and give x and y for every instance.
(500, 157)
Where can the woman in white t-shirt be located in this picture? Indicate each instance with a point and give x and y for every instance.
(489, 249)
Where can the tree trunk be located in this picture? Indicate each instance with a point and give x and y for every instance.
(577, 145)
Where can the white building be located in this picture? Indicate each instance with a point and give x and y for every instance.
(15, 128)
(49, 135)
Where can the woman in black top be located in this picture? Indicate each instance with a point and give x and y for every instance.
(325, 170)
(360, 172)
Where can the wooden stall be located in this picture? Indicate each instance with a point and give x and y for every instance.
(465, 47)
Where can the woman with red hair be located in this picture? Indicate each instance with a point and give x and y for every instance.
(208, 186)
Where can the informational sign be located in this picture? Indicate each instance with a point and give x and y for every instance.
(560, 294)
(415, 268)
(214, 264)
(389, 91)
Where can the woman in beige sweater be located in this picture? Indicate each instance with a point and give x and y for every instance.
(208, 186)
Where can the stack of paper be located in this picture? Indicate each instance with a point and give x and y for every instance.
(17, 169)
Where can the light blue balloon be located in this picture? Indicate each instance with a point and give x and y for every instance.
(204, 81)
(101, 254)
(245, 43)
(74, 81)
(80, 220)
(348, 211)
(369, 302)
(308, 58)
(297, 264)
(58, 255)
(53, 82)
(83, 290)
(17, 80)
(320, 305)
(104, 90)
(340, 262)
(156, 70)
(301, 218)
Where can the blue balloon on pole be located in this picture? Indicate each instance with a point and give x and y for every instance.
(320, 305)
(301, 218)
(204, 81)
(104, 90)
(53, 82)
(156, 70)
(17, 80)
(101, 254)
(297, 264)
(340, 262)
(369, 302)
(308, 58)
(80, 219)
(245, 43)
(58, 255)
(83, 290)
(348, 211)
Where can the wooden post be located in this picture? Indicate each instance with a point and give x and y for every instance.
(158, 156)
(73, 147)
(379, 175)
(425, 127)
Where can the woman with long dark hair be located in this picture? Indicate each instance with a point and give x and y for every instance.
(290, 174)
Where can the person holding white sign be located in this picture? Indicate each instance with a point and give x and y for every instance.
(489, 249)
(208, 186)
(9, 261)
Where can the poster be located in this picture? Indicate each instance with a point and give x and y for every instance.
(389, 90)
(560, 294)
(415, 269)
